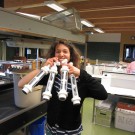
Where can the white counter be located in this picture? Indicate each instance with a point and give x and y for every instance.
(119, 83)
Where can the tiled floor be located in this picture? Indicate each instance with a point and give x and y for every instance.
(93, 129)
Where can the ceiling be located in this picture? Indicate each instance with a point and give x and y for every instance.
(112, 16)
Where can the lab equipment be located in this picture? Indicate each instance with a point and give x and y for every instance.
(28, 87)
(76, 99)
(62, 94)
(47, 93)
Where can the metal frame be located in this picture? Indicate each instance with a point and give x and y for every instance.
(31, 26)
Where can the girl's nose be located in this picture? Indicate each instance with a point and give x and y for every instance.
(61, 54)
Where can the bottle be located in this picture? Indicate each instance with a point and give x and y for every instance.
(33, 64)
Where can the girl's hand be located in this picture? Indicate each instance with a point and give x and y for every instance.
(73, 70)
(51, 61)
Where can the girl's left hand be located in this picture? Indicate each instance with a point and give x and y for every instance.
(73, 70)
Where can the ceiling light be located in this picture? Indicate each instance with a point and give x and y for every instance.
(54, 5)
(92, 33)
(98, 30)
(87, 23)
(30, 15)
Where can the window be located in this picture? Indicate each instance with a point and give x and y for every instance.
(129, 53)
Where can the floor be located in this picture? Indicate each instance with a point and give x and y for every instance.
(90, 128)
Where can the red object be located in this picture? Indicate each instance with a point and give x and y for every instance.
(126, 106)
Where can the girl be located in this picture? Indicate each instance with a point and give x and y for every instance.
(64, 118)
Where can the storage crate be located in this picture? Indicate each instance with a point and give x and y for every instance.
(125, 119)
(103, 115)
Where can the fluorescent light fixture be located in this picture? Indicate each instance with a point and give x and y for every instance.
(92, 33)
(54, 5)
(98, 30)
(87, 23)
(30, 15)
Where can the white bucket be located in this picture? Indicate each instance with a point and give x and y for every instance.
(22, 100)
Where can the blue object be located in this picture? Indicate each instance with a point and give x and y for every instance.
(38, 127)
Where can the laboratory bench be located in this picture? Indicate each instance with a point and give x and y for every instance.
(13, 118)
(120, 102)
(5, 84)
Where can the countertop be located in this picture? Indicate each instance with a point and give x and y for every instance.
(13, 118)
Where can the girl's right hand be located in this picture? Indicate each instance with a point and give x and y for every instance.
(51, 61)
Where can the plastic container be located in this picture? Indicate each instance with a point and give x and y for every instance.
(34, 64)
(103, 116)
(22, 100)
(96, 70)
(89, 69)
(125, 119)
(104, 113)
(38, 127)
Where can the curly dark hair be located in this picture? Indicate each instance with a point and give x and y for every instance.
(74, 52)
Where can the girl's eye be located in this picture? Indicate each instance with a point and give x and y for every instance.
(57, 51)
(65, 51)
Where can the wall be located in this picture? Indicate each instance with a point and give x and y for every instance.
(103, 51)
(106, 37)
(105, 47)
(11, 52)
(114, 37)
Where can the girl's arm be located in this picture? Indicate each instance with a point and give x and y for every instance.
(26, 79)
(93, 87)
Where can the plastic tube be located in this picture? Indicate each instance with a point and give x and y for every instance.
(28, 87)
(76, 99)
(47, 93)
(62, 94)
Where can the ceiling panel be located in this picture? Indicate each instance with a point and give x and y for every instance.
(112, 16)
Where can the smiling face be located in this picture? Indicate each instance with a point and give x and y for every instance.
(62, 52)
